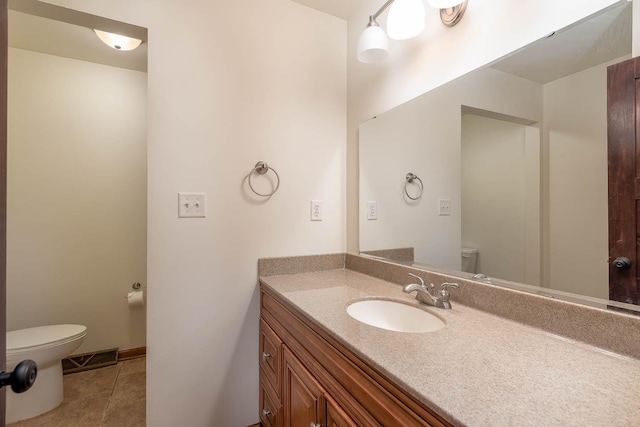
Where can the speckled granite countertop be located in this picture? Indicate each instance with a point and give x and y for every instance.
(480, 370)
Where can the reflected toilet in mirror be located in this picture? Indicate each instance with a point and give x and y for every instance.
(469, 259)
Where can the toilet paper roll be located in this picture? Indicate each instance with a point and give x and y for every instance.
(135, 299)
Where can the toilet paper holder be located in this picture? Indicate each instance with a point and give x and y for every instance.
(137, 287)
(135, 299)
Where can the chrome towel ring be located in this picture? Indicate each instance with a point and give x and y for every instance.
(413, 179)
(262, 168)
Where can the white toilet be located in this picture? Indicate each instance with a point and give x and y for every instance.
(47, 346)
(469, 258)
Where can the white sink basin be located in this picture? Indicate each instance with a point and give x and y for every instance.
(394, 316)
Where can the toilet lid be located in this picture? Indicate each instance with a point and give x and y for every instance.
(43, 335)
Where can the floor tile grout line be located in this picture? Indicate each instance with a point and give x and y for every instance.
(113, 387)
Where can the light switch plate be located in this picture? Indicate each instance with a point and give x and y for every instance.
(191, 205)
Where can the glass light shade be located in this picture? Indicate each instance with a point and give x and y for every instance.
(444, 4)
(117, 41)
(373, 45)
(406, 19)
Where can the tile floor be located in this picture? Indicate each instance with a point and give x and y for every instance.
(113, 396)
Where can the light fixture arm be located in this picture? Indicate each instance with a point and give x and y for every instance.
(372, 18)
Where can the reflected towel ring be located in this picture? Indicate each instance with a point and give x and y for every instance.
(410, 180)
(262, 168)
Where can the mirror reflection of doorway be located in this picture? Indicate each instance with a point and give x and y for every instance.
(624, 183)
(501, 195)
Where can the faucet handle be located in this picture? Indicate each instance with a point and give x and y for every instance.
(444, 290)
(449, 285)
(419, 278)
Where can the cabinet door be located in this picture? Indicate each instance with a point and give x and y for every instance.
(336, 416)
(303, 396)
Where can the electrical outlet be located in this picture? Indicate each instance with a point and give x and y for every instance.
(191, 205)
(372, 211)
(444, 207)
(316, 210)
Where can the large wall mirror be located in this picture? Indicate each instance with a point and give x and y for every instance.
(518, 150)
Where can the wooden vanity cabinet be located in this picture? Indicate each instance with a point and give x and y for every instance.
(307, 378)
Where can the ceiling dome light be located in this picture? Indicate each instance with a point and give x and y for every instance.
(444, 4)
(406, 19)
(117, 41)
(373, 45)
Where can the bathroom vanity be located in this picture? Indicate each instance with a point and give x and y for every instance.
(321, 367)
(305, 372)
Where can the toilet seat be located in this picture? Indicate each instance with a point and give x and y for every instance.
(42, 337)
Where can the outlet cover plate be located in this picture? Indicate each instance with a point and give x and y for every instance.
(316, 210)
(372, 211)
(444, 206)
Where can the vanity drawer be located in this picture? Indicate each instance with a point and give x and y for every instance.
(270, 407)
(271, 356)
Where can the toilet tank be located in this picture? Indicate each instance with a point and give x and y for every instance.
(469, 258)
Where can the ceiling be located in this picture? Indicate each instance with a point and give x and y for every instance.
(585, 44)
(340, 8)
(52, 30)
(45, 28)
(598, 39)
(34, 30)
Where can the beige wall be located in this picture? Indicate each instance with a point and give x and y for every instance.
(77, 187)
(412, 138)
(231, 83)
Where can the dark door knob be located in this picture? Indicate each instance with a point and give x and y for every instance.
(622, 263)
(22, 378)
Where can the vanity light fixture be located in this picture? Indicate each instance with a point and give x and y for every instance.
(406, 20)
(118, 42)
(373, 44)
(451, 11)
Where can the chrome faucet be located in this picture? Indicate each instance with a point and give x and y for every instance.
(482, 278)
(425, 294)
